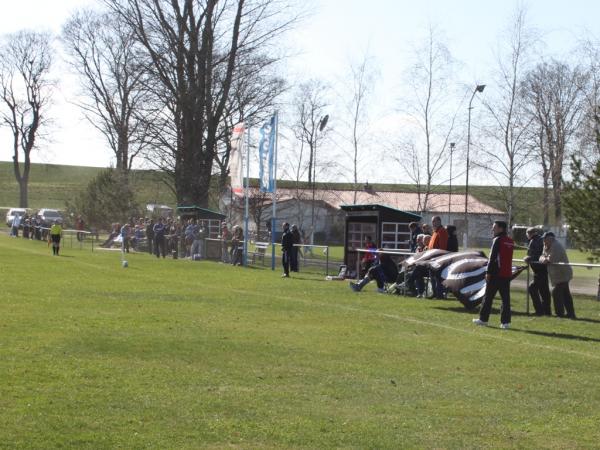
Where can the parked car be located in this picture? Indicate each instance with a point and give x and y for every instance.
(48, 216)
(12, 212)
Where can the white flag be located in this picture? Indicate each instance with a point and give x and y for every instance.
(236, 158)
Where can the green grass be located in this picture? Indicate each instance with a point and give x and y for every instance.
(181, 354)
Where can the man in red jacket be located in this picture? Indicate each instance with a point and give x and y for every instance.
(498, 276)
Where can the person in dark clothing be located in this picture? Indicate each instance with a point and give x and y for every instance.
(415, 230)
(385, 271)
(498, 276)
(287, 247)
(295, 250)
(452, 239)
(150, 235)
(159, 238)
(538, 289)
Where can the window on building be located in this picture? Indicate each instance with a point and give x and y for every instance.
(395, 235)
(357, 232)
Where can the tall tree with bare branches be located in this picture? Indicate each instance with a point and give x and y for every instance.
(193, 47)
(554, 91)
(507, 151)
(25, 60)
(423, 152)
(104, 52)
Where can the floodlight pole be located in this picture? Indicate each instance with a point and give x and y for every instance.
(452, 145)
(322, 125)
(478, 88)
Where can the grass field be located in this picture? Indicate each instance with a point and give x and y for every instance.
(180, 354)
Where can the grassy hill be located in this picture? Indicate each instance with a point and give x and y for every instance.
(52, 185)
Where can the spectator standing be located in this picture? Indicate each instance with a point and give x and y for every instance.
(415, 231)
(55, 235)
(150, 234)
(16, 223)
(498, 276)
(237, 246)
(201, 236)
(538, 289)
(452, 238)
(80, 226)
(225, 238)
(125, 236)
(287, 247)
(560, 275)
(159, 231)
(294, 266)
(191, 234)
(26, 227)
(439, 240)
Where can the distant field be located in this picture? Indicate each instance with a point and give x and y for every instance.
(180, 354)
(51, 185)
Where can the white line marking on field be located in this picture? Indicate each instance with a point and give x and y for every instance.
(500, 336)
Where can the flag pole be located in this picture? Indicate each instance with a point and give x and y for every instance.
(274, 215)
(246, 193)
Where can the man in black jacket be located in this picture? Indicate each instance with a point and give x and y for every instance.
(287, 247)
(538, 289)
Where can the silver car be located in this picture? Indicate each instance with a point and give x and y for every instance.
(48, 216)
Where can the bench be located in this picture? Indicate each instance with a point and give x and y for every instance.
(260, 249)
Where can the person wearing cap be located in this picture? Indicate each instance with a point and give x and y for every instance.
(538, 289)
(287, 247)
(560, 274)
(497, 277)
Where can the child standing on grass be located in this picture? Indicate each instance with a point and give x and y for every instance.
(55, 235)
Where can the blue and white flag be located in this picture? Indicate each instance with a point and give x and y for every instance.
(266, 155)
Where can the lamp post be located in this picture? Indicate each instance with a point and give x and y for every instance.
(322, 125)
(478, 88)
(452, 145)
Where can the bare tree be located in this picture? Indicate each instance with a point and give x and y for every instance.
(422, 153)
(25, 60)
(507, 154)
(311, 103)
(362, 79)
(104, 52)
(588, 133)
(191, 44)
(555, 97)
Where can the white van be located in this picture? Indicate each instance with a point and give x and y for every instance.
(12, 212)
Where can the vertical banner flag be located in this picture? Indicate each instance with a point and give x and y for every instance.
(236, 164)
(266, 156)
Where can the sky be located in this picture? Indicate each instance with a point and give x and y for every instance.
(335, 33)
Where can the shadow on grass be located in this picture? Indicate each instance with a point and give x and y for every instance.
(459, 309)
(557, 335)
